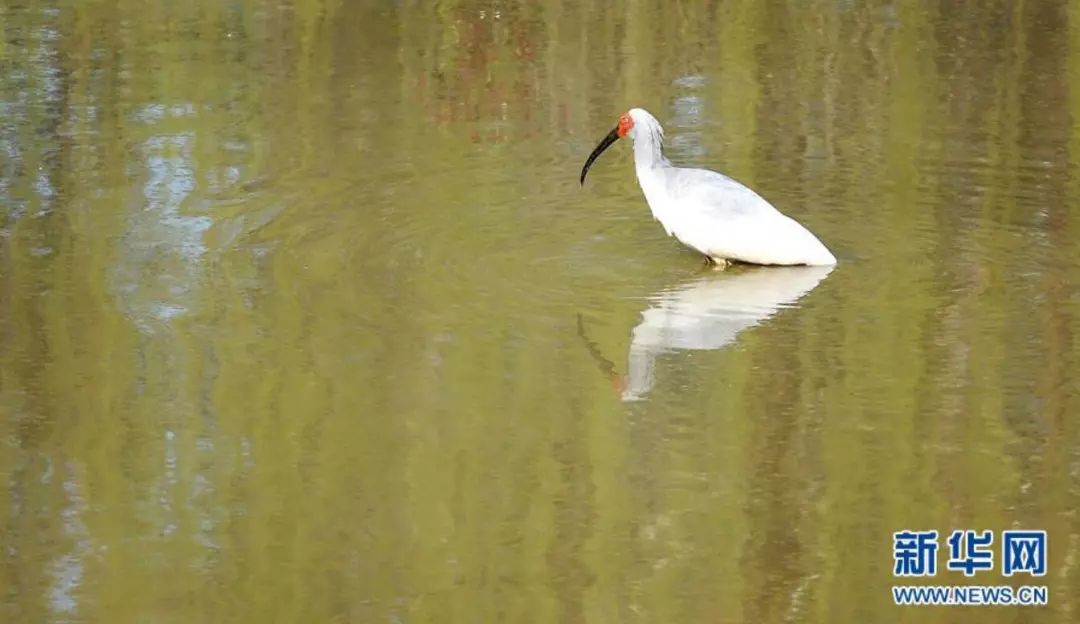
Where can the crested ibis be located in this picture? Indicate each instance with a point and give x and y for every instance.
(708, 211)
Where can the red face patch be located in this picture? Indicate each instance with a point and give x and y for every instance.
(625, 123)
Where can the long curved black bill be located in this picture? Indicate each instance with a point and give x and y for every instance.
(604, 144)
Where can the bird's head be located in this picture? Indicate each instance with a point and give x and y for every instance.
(637, 123)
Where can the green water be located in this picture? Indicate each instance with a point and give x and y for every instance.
(305, 318)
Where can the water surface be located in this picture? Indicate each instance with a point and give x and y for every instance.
(306, 318)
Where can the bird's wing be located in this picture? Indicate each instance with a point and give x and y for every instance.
(724, 219)
(716, 193)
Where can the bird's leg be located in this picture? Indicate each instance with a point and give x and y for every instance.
(717, 264)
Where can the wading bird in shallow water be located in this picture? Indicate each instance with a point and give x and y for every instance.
(708, 211)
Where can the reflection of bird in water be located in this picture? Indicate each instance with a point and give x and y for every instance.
(704, 313)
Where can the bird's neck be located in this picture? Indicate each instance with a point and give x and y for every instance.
(649, 153)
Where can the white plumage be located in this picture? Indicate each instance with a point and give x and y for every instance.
(708, 211)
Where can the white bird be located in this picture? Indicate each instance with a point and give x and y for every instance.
(708, 211)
